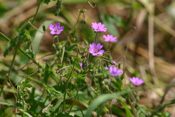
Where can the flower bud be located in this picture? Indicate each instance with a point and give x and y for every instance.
(94, 4)
(7, 74)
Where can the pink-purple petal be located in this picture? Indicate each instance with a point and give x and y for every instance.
(51, 27)
(96, 49)
(56, 29)
(136, 81)
(98, 27)
(101, 52)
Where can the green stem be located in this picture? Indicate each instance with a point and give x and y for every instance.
(13, 60)
(32, 79)
(73, 102)
(8, 77)
(162, 107)
(16, 49)
(132, 107)
(67, 84)
(96, 37)
(34, 17)
(66, 88)
(77, 20)
(73, 29)
(34, 61)
(7, 39)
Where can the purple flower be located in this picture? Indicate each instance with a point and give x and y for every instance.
(136, 81)
(96, 49)
(109, 38)
(106, 68)
(113, 62)
(114, 71)
(81, 65)
(56, 28)
(99, 27)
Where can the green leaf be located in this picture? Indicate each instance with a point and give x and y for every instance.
(103, 98)
(46, 1)
(128, 112)
(17, 41)
(11, 105)
(38, 36)
(118, 111)
(109, 25)
(165, 114)
(40, 0)
(111, 22)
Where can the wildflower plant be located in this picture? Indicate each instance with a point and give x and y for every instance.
(79, 78)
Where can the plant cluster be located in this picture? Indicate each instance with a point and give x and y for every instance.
(79, 79)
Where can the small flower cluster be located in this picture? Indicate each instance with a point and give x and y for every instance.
(96, 49)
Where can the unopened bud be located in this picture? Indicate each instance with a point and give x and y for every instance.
(94, 4)
(83, 21)
(7, 74)
(39, 71)
(59, 61)
(68, 59)
(83, 53)
(44, 28)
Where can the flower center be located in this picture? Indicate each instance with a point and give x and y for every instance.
(56, 30)
(98, 28)
(96, 50)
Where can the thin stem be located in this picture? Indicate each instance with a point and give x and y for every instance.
(6, 38)
(109, 45)
(13, 60)
(132, 107)
(16, 49)
(66, 88)
(163, 107)
(34, 17)
(72, 30)
(67, 84)
(77, 20)
(10, 69)
(96, 37)
(73, 101)
(62, 57)
(34, 61)
(32, 79)
(8, 77)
